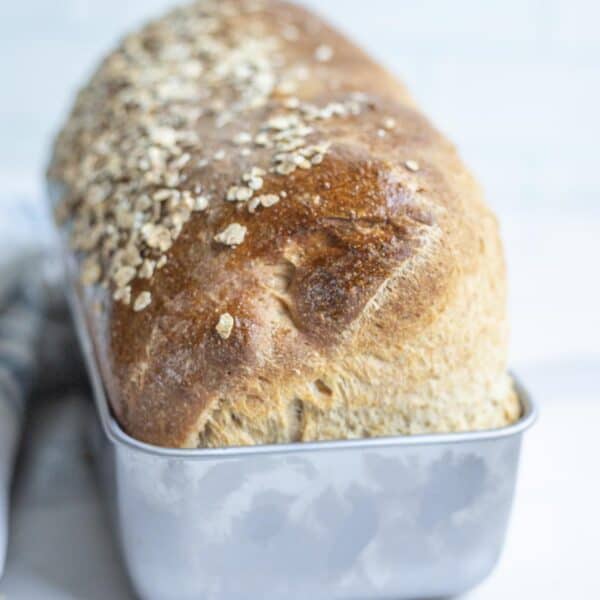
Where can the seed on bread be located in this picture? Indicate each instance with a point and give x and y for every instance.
(224, 326)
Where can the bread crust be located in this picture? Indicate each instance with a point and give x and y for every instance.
(367, 300)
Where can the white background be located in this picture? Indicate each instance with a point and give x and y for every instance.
(516, 85)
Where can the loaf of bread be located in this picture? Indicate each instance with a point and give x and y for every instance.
(274, 244)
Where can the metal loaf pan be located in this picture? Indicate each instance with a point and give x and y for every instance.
(399, 517)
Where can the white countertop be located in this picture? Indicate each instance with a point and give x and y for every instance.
(517, 86)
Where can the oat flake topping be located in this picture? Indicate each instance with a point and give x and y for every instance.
(225, 325)
(232, 235)
(127, 159)
(142, 301)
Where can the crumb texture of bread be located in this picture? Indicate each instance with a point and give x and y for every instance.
(275, 245)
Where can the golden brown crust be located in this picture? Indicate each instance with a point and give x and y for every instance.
(368, 299)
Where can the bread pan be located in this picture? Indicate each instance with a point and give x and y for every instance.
(401, 517)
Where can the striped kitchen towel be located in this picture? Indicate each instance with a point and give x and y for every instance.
(21, 319)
